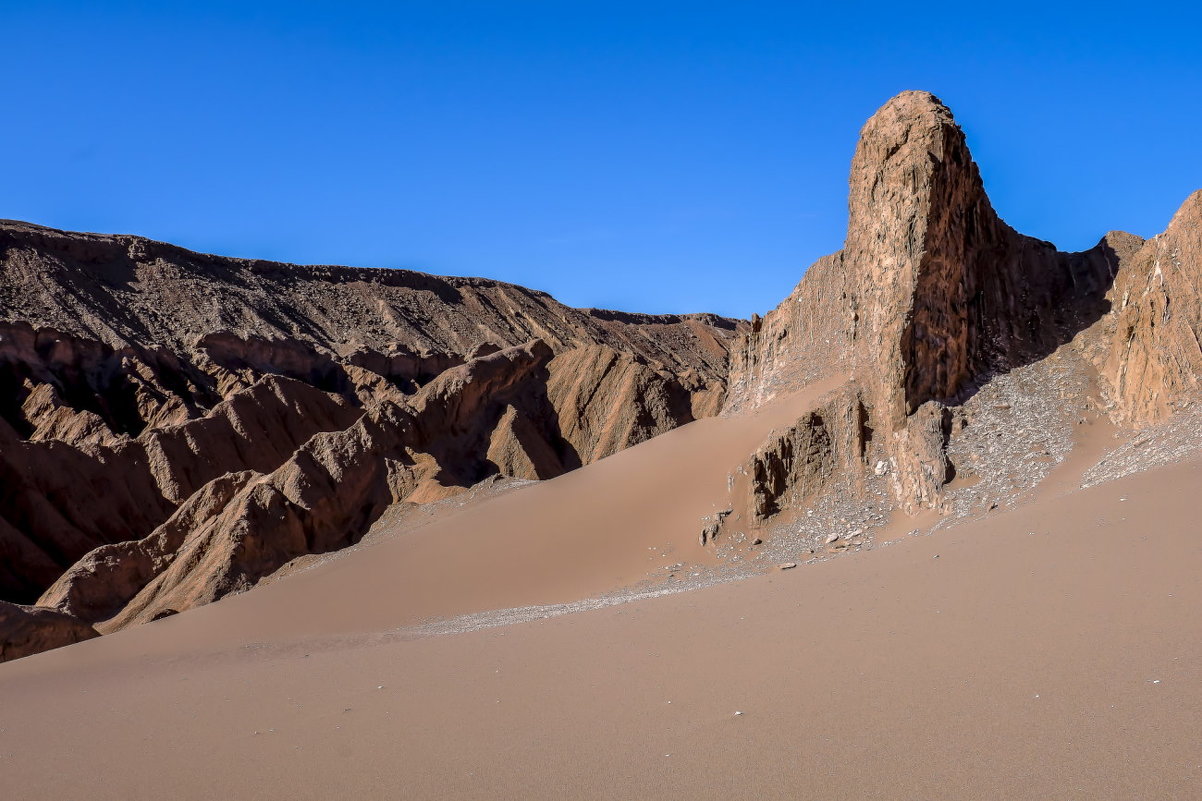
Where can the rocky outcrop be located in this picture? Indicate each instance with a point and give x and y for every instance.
(174, 426)
(26, 630)
(1151, 352)
(607, 400)
(58, 501)
(944, 292)
(322, 495)
(256, 428)
(243, 527)
(493, 415)
(829, 446)
(930, 296)
(63, 497)
(107, 578)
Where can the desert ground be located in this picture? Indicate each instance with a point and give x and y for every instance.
(1042, 652)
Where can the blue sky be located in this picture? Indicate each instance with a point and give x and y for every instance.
(663, 157)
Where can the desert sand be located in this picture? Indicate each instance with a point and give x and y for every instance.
(1043, 652)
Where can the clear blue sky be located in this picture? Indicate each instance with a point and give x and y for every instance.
(646, 156)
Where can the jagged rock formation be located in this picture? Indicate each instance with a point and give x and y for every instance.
(1152, 351)
(821, 450)
(931, 296)
(61, 499)
(175, 426)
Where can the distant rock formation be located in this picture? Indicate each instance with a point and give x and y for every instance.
(175, 426)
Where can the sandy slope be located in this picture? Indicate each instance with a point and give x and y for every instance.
(1047, 652)
(601, 527)
(604, 526)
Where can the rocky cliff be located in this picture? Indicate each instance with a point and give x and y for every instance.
(175, 426)
(931, 298)
(1150, 352)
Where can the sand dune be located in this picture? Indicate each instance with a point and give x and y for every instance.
(603, 527)
(1047, 652)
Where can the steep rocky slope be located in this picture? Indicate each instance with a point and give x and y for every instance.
(174, 426)
(1150, 352)
(932, 298)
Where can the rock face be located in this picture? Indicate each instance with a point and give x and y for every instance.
(175, 426)
(26, 630)
(823, 449)
(945, 292)
(931, 295)
(1151, 354)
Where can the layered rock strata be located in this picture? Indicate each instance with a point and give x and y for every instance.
(174, 426)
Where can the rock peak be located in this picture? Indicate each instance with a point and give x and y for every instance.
(909, 115)
(912, 132)
(1191, 210)
(911, 156)
(913, 101)
(931, 294)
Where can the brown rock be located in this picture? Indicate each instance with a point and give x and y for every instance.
(1151, 355)
(242, 527)
(931, 294)
(164, 414)
(828, 445)
(607, 401)
(100, 584)
(26, 630)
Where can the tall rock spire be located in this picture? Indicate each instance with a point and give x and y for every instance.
(930, 295)
(916, 211)
(947, 291)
